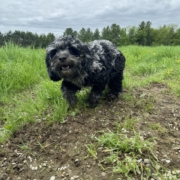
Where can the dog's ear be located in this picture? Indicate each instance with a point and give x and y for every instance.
(75, 50)
(53, 76)
(85, 50)
(86, 56)
(52, 53)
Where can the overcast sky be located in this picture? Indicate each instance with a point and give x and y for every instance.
(44, 16)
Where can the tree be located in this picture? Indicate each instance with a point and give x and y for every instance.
(132, 32)
(1, 39)
(85, 35)
(144, 34)
(140, 37)
(115, 34)
(16, 37)
(112, 34)
(82, 35)
(176, 40)
(148, 34)
(106, 33)
(8, 36)
(123, 38)
(89, 35)
(165, 35)
(96, 35)
(69, 31)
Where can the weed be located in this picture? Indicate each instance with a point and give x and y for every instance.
(92, 150)
(129, 123)
(125, 153)
(43, 146)
(157, 127)
(120, 142)
(24, 147)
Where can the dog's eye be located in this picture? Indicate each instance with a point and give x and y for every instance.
(74, 51)
(52, 53)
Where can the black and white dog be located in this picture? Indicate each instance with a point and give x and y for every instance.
(97, 64)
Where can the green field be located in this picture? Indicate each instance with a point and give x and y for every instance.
(26, 91)
(27, 94)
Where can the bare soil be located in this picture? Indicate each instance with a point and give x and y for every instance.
(45, 151)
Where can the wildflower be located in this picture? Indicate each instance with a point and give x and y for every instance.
(169, 71)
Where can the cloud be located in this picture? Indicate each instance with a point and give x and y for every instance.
(55, 16)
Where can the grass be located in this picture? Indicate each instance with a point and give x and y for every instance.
(152, 64)
(27, 95)
(119, 142)
(128, 153)
(157, 127)
(20, 69)
(92, 150)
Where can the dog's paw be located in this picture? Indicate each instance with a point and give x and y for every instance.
(111, 97)
(93, 104)
(93, 101)
(72, 100)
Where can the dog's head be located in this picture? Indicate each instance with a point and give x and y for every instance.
(65, 57)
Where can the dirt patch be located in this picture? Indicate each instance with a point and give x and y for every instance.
(58, 150)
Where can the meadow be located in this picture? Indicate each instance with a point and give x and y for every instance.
(28, 96)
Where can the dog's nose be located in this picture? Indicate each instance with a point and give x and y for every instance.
(62, 59)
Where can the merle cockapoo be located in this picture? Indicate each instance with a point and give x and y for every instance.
(96, 64)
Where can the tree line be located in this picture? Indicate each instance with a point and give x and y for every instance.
(143, 34)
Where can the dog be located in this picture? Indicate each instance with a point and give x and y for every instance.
(98, 64)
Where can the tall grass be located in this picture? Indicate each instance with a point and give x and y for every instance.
(20, 68)
(152, 64)
(27, 94)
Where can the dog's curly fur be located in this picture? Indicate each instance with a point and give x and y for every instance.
(97, 64)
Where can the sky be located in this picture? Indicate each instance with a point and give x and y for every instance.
(54, 16)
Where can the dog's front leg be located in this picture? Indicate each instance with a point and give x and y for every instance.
(69, 92)
(95, 95)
